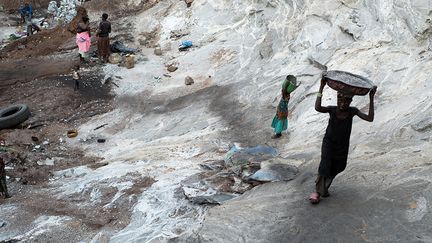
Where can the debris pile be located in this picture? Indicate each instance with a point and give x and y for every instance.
(65, 12)
(240, 171)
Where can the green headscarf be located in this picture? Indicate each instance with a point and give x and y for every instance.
(290, 84)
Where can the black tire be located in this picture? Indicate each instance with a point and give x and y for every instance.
(13, 115)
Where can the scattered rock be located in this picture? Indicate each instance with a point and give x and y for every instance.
(255, 11)
(275, 172)
(206, 196)
(189, 80)
(177, 34)
(115, 58)
(48, 161)
(142, 41)
(149, 39)
(130, 61)
(72, 133)
(242, 169)
(158, 51)
(172, 68)
(240, 186)
(213, 165)
(160, 109)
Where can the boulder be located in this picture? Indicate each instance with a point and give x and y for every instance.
(158, 51)
(130, 61)
(115, 58)
(189, 80)
(142, 41)
(172, 68)
(274, 172)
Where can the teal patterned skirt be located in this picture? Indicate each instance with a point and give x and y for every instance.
(280, 121)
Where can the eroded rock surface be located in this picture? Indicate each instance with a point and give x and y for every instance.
(163, 129)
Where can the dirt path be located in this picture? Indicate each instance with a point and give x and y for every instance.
(55, 108)
(37, 71)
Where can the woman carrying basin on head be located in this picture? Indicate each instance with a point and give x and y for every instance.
(335, 145)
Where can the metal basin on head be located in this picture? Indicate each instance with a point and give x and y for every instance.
(348, 83)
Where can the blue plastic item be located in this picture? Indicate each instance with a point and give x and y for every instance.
(186, 44)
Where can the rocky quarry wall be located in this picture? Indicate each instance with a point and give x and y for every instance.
(242, 50)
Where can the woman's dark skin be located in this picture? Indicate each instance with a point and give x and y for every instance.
(336, 144)
(285, 95)
(84, 25)
(343, 103)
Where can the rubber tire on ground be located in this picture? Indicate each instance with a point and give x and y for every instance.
(13, 115)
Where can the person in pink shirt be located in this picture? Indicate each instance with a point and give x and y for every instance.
(83, 38)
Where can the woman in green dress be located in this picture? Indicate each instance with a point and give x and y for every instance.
(280, 121)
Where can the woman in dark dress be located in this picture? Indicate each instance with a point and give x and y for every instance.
(335, 145)
(103, 38)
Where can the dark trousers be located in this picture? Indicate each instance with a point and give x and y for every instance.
(76, 84)
(103, 48)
